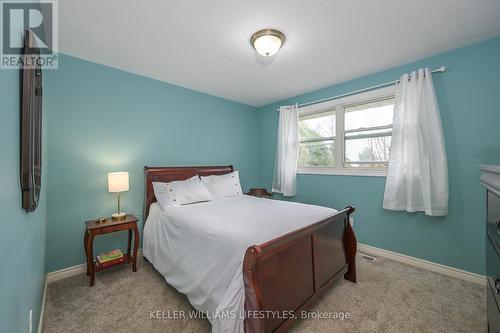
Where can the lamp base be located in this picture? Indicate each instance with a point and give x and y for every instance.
(118, 216)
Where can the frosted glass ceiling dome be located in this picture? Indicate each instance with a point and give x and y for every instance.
(267, 42)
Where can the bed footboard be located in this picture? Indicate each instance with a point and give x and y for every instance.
(288, 274)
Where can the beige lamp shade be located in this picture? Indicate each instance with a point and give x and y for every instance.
(118, 182)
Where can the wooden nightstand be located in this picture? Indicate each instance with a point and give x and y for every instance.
(259, 192)
(93, 229)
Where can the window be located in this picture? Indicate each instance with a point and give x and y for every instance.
(351, 135)
(317, 138)
(367, 133)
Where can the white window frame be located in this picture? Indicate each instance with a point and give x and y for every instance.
(339, 105)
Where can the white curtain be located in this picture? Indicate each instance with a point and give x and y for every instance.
(417, 178)
(287, 151)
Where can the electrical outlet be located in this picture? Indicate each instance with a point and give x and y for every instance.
(351, 220)
(31, 321)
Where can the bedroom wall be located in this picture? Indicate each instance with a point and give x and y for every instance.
(22, 235)
(103, 119)
(468, 98)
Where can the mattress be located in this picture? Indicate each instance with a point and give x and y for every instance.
(199, 248)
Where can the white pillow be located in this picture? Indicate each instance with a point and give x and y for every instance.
(223, 186)
(180, 192)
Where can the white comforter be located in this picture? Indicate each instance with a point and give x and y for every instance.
(199, 248)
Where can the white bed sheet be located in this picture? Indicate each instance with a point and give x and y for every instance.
(199, 248)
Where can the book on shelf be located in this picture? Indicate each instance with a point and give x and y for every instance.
(109, 256)
(110, 263)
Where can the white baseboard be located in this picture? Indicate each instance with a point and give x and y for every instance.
(42, 310)
(428, 265)
(371, 250)
(66, 272)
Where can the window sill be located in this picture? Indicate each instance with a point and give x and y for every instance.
(343, 172)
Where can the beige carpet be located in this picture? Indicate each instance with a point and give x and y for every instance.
(389, 297)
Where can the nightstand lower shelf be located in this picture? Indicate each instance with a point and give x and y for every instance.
(127, 259)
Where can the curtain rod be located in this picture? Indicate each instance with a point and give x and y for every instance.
(438, 70)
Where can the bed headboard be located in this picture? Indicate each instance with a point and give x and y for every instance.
(169, 174)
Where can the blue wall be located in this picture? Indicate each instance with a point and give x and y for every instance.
(103, 119)
(22, 235)
(470, 110)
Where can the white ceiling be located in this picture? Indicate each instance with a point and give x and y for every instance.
(204, 45)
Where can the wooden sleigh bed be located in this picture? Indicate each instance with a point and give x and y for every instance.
(285, 274)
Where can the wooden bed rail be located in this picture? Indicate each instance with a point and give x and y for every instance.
(286, 238)
(289, 273)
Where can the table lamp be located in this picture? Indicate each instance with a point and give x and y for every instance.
(117, 183)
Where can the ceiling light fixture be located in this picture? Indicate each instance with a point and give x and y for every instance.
(267, 42)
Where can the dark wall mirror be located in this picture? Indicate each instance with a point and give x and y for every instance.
(31, 128)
